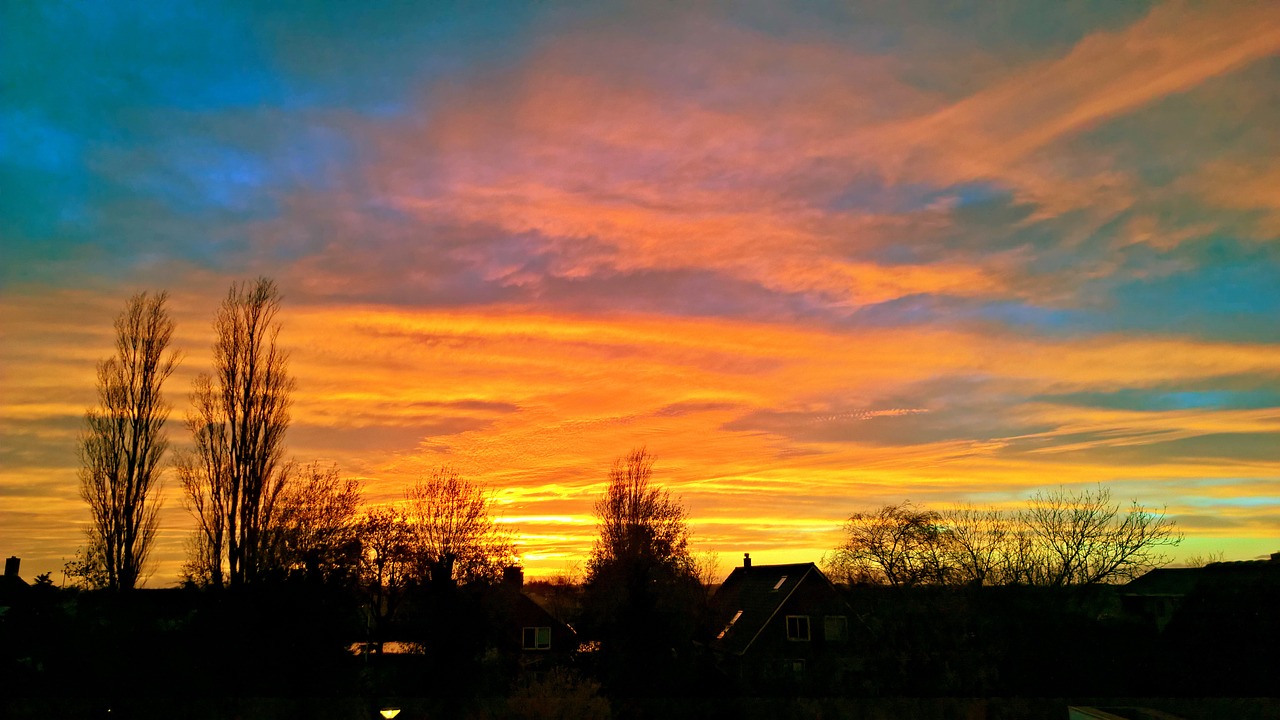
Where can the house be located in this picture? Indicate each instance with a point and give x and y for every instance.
(1157, 595)
(441, 619)
(12, 586)
(782, 625)
(523, 627)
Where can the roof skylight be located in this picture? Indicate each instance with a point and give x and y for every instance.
(731, 622)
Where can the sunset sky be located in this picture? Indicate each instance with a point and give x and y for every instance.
(816, 261)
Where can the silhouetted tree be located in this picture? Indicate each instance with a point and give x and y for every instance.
(980, 546)
(206, 484)
(638, 521)
(453, 533)
(124, 440)
(642, 598)
(386, 563)
(202, 566)
(898, 545)
(1198, 560)
(312, 533)
(1087, 539)
(239, 416)
(87, 570)
(1061, 539)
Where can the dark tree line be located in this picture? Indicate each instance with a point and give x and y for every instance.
(260, 516)
(1061, 538)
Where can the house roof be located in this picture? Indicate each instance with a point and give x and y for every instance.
(513, 604)
(11, 587)
(750, 597)
(1181, 581)
(1164, 581)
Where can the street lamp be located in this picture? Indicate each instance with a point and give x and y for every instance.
(389, 712)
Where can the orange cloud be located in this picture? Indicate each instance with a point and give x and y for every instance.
(722, 153)
(589, 388)
(538, 404)
(998, 132)
(1243, 186)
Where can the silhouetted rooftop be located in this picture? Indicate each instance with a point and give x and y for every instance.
(757, 592)
(1181, 581)
(1164, 581)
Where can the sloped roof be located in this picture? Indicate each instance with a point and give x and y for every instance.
(1181, 581)
(1164, 581)
(758, 592)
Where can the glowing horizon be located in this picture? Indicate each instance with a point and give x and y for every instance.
(815, 261)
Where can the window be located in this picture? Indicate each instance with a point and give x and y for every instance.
(781, 580)
(798, 627)
(794, 668)
(730, 625)
(835, 628)
(536, 638)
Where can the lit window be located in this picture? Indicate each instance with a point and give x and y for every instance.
(798, 627)
(835, 628)
(537, 638)
(781, 580)
(730, 625)
(794, 667)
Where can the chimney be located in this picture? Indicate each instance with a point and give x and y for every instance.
(11, 565)
(513, 576)
(1275, 558)
(746, 560)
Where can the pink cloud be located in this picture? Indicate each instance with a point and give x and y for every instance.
(1005, 131)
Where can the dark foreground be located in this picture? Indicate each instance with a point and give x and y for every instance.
(344, 708)
(930, 654)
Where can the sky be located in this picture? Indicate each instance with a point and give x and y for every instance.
(815, 259)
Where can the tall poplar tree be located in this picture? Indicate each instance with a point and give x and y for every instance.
(124, 440)
(239, 417)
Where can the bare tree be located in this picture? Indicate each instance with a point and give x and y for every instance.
(897, 544)
(87, 570)
(639, 521)
(1199, 561)
(386, 563)
(979, 544)
(454, 534)
(124, 440)
(1026, 559)
(202, 566)
(313, 531)
(643, 599)
(706, 568)
(1061, 538)
(238, 421)
(205, 476)
(1086, 538)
